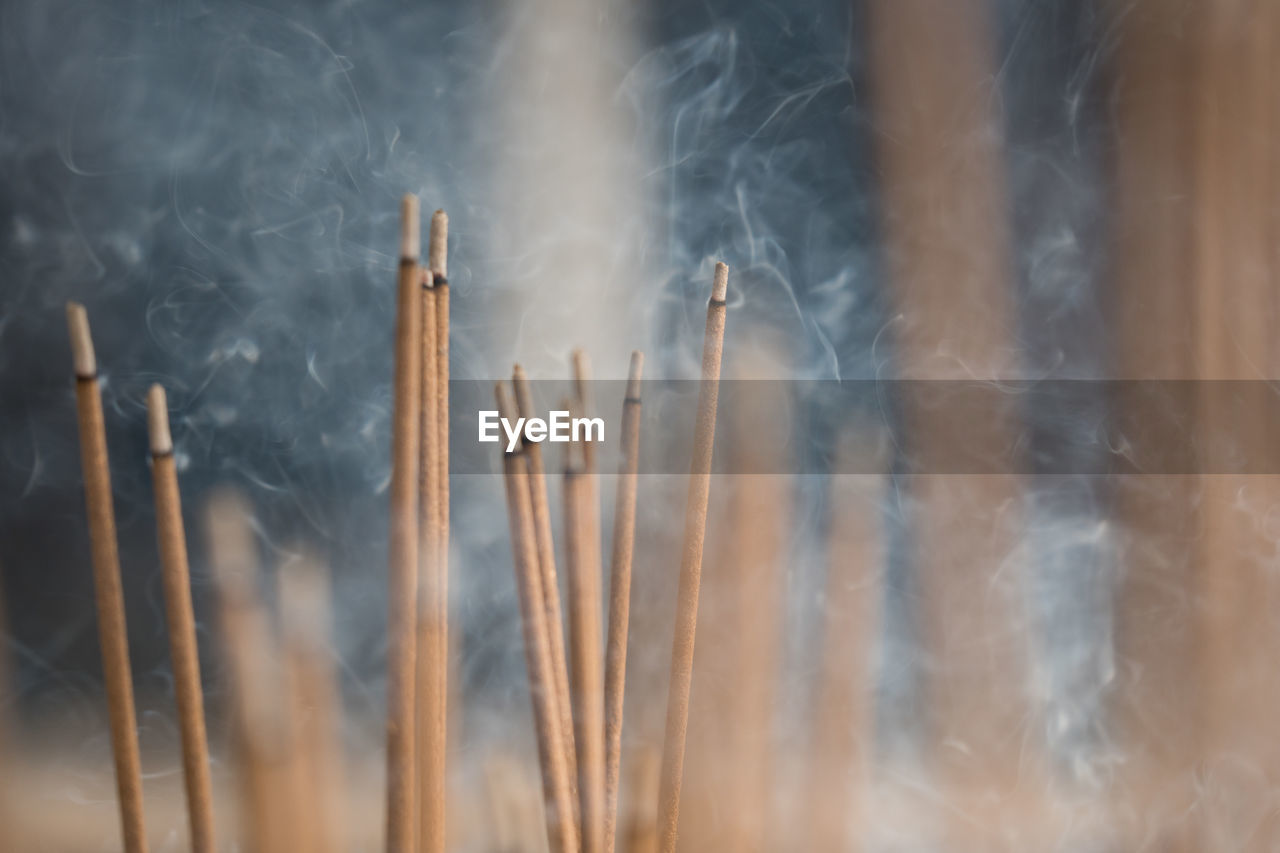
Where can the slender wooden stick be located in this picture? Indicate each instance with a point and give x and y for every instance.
(314, 700)
(691, 567)
(547, 568)
(261, 728)
(561, 832)
(106, 580)
(438, 260)
(624, 534)
(582, 563)
(432, 677)
(403, 550)
(438, 257)
(182, 624)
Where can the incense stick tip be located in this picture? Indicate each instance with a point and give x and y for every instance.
(581, 364)
(83, 359)
(158, 421)
(438, 247)
(410, 228)
(634, 373)
(720, 287)
(503, 401)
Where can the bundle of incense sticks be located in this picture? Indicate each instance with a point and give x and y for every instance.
(284, 706)
(581, 729)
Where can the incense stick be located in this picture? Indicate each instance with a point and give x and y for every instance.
(561, 832)
(106, 581)
(432, 676)
(624, 532)
(9, 834)
(438, 257)
(260, 727)
(583, 566)
(438, 260)
(547, 567)
(691, 567)
(314, 702)
(843, 721)
(403, 550)
(172, 541)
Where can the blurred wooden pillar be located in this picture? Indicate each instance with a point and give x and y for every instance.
(1235, 185)
(947, 233)
(841, 748)
(1193, 298)
(1153, 316)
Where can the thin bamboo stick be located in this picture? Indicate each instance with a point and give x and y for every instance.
(108, 592)
(183, 652)
(547, 568)
(432, 677)
(403, 550)
(260, 725)
(315, 704)
(582, 563)
(624, 534)
(691, 567)
(438, 260)
(561, 831)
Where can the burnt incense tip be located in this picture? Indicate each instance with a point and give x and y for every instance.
(428, 279)
(720, 286)
(158, 422)
(634, 374)
(410, 228)
(82, 358)
(438, 247)
(518, 374)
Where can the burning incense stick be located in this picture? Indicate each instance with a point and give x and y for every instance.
(561, 831)
(261, 732)
(438, 258)
(403, 550)
(582, 563)
(624, 534)
(182, 625)
(432, 609)
(547, 566)
(691, 567)
(106, 581)
(314, 702)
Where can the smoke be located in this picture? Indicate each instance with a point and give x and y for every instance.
(219, 183)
